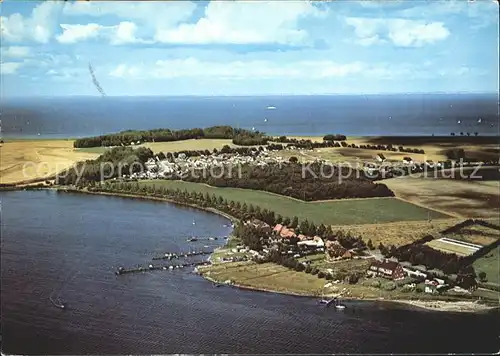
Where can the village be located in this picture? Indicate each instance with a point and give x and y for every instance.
(363, 265)
(180, 164)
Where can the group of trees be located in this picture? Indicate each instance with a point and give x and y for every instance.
(336, 137)
(339, 141)
(128, 137)
(251, 236)
(455, 153)
(315, 183)
(462, 134)
(112, 163)
(249, 138)
(421, 254)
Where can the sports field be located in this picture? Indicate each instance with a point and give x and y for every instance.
(450, 247)
(333, 212)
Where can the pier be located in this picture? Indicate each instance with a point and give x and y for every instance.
(122, 270)
(171, 255)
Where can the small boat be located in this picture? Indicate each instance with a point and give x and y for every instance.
(479, 121)
(271, 107)
(215, 284)
(340, 307)
(194, 222)
(192, 239)
(265, 120)
(459, 122)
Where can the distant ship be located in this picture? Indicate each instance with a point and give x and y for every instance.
(271, 107)
(479, 120)
(265, 120)
(459, 122)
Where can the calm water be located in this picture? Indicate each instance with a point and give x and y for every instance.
(73, 243)
(414, 114)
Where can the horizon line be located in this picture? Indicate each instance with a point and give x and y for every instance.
(251, 95)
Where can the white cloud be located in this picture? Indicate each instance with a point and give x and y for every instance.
(39, 26)
(158, 14)
(16, 52)
(251, 69)
(10, 67)
(76, 33)
(243, 22)
(401, 32)
(122, 33)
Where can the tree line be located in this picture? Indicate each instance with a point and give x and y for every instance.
(317, 183)
(340, 141)
(126, 138)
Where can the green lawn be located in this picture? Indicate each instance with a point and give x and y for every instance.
(490, 264)
(340, 212)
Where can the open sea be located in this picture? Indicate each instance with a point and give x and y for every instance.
(69, 246)
(368, 115)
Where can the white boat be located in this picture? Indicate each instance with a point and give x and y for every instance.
(271, 107)
(479, 120)
(265, 120)
(340, 306)
(459, 122)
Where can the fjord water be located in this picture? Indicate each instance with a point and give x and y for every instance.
(72, 244)
(357, 115)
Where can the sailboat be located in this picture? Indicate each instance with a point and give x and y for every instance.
(265, 120)
(338, 305)
(479, 121)
(194, 222)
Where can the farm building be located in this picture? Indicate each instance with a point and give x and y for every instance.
(434, 285)
(277, 229)
(380, 157)
(334, 250)
(287, 233)
(407, 160)
(386, 269)
(260, 224)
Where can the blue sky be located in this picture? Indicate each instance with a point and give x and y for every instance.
(248, 48)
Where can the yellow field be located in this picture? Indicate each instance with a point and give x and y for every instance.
(397, 233)
(478, 199)
(22, 161)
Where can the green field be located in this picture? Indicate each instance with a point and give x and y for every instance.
(490, 264)
(339, 212)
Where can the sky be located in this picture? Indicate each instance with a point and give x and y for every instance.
(248, 48)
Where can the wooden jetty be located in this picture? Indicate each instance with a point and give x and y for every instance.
(171, 255)
(122, 270)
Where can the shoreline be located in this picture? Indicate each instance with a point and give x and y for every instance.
(436, 305)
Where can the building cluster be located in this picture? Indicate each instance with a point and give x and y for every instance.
(182, 165)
